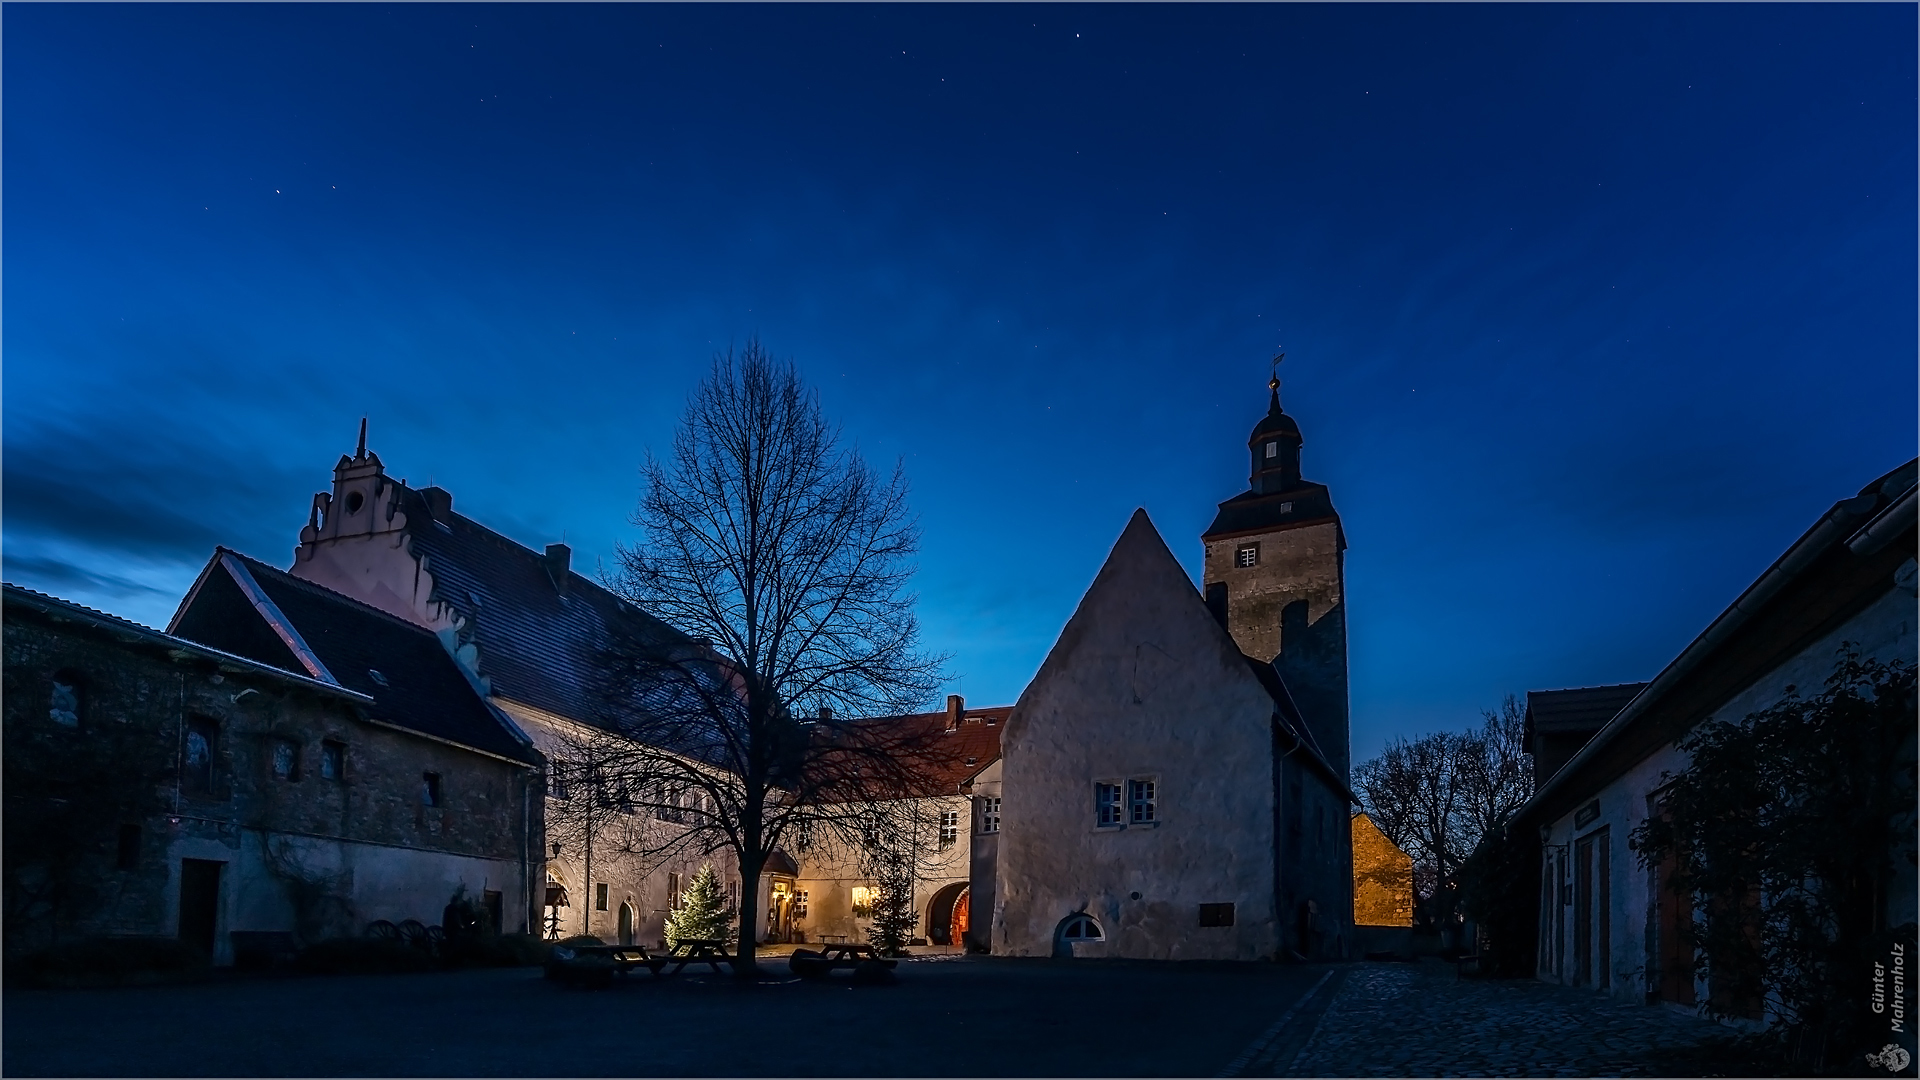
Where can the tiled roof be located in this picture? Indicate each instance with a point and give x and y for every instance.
(539, 644)
(412, 679)
(128, 630)
(1585, 709)
(936, 760)
(1251, 511)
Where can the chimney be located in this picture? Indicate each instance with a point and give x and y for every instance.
(1217, 603)
(440, 504)
(826, 712)
(955, 706)
(559, 557)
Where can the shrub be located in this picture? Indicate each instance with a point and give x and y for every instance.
(364, 956)
(113, 961)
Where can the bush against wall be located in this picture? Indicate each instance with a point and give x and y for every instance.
(1785, 831)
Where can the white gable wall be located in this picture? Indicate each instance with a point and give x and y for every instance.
(1141, 684)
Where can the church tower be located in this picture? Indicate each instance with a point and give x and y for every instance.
(1275, 576)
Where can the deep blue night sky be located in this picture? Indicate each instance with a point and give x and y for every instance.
(1589, 311)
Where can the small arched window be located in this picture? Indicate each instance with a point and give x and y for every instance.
(67, 701)
(1081, 928)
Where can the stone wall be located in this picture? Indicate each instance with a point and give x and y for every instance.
(1292, 606)
(1382, 878)
(303, 852)
(1142, 683)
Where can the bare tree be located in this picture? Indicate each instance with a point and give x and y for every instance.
(1437, 796)
(786, 559)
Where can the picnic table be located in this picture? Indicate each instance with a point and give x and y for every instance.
(808, 963)
(709, 951)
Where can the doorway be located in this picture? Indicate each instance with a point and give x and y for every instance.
(940, 913)
(200, 902)
(626, 924)
(1592, 914)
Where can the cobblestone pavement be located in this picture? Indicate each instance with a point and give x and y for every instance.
(1420, 1020)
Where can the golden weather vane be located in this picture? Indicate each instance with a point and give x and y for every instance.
(1274, 383)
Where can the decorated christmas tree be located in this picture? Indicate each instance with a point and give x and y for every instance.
(702, 914)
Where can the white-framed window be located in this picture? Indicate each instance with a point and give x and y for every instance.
(1247, 555)
(799, 903)
(1106, 805)
(557, 780)
(989, 813)
(1273, 450)
(804, 839)
(949, 827)
(1082, 928)
(1143, 805)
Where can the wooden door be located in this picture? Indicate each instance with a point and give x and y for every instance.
(199, 902)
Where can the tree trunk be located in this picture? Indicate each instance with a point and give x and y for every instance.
(750, 866)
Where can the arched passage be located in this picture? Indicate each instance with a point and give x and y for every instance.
(940, 913)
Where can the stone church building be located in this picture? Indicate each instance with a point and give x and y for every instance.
(1174, 780)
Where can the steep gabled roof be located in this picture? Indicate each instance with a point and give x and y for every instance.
(127, 632)
(247, 607)
(540, 632)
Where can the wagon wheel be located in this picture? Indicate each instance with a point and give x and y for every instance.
(436, 940)
(415, 934)
(383, 930)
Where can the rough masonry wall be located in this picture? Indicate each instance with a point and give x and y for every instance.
(358, 847)
(1292, 606)
(1141, 684)
(1382, 877)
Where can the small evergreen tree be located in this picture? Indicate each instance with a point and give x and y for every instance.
(894, 916)
(702, 914)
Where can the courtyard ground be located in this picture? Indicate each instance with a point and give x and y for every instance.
(959, 1016)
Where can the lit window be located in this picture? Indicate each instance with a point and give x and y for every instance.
(1082, 928)
(1141, 804)
(1247, 555)
(64, 702)
(989, 813)
(1216, 914)
(949, 827)
(333, 760)
(430, 789)
(862, 901)
(286, 760)
(1106, 806)
(1273, 449)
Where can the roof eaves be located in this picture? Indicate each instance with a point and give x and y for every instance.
(56, 606)
(1839, 521)
(276, 619)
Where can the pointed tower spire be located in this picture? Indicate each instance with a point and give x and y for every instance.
(360, 451)
(1273, 384)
